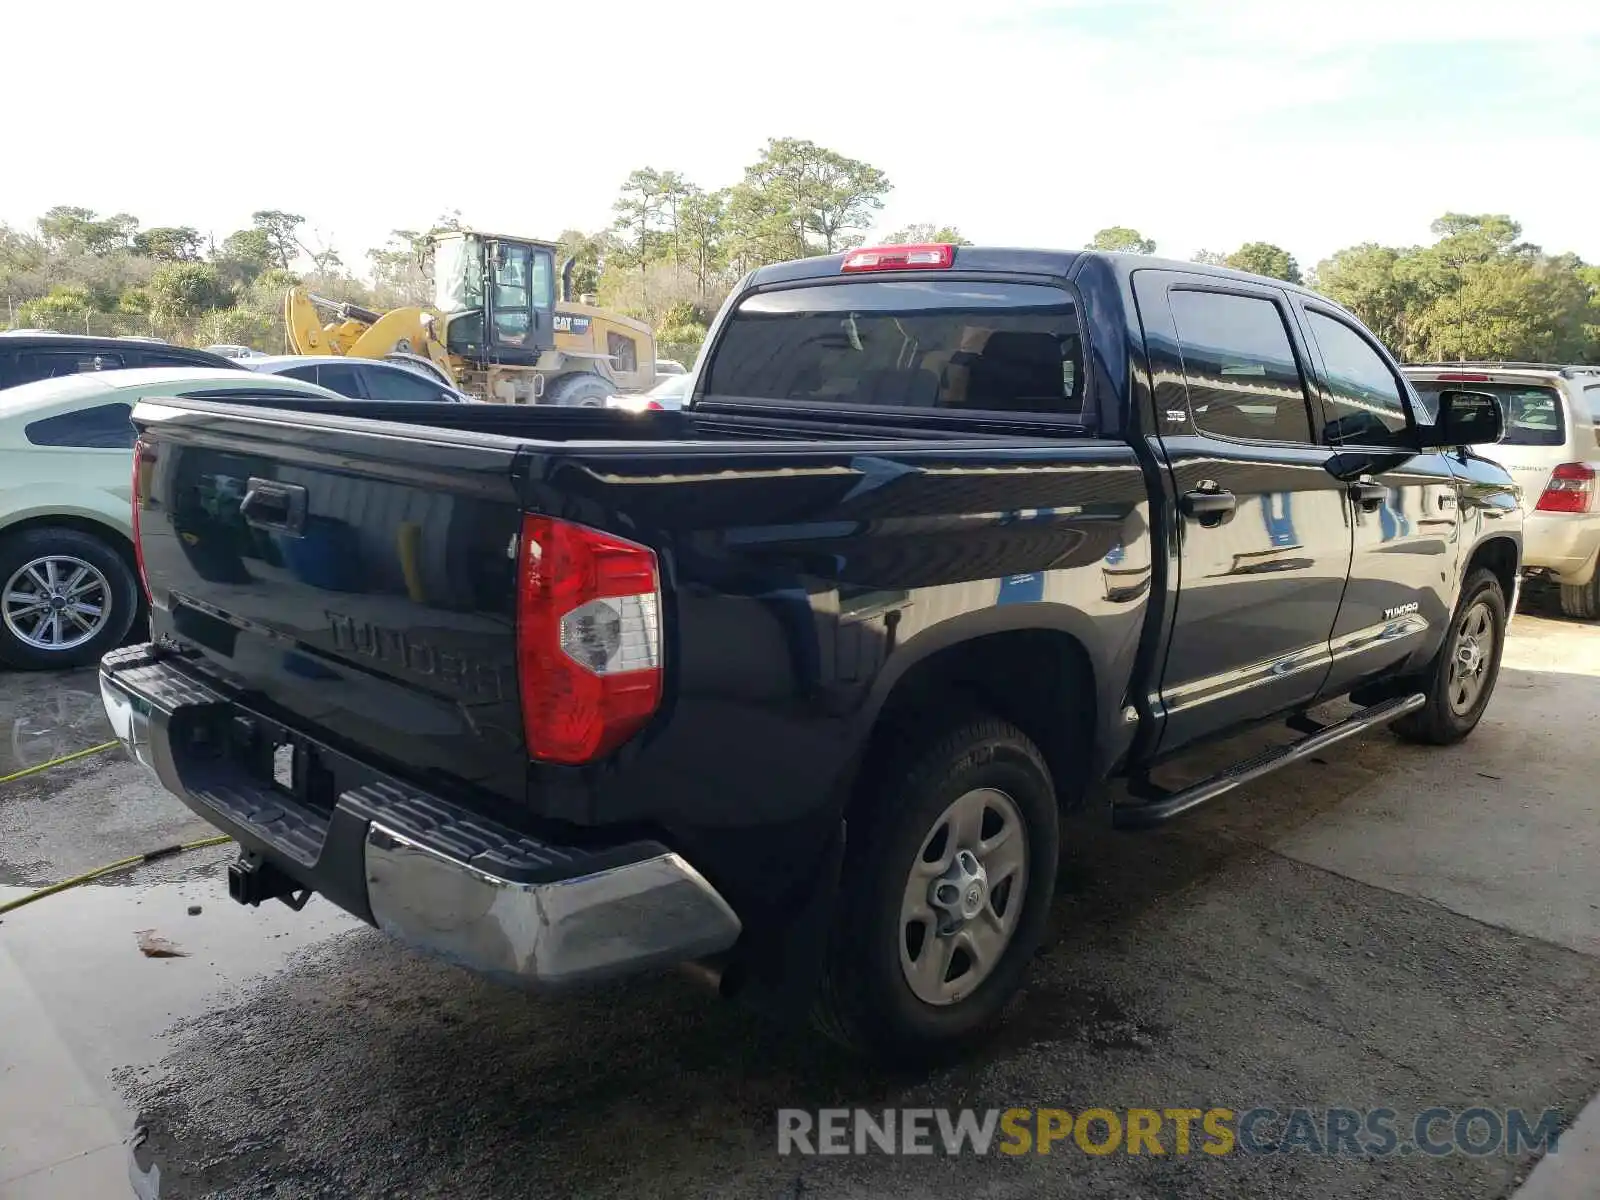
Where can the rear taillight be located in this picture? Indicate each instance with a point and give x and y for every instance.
(1570, 490)
(144, 458)
(588, 640)
(900, 258)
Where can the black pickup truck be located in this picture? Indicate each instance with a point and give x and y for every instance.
(795, 683)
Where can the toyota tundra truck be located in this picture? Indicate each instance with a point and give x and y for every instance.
(794, 685)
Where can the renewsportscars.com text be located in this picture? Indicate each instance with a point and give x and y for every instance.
(1330, 1132)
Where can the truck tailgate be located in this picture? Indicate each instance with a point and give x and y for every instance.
(358, 580)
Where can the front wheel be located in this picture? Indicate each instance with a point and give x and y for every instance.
(949, 872)
(1463, 676)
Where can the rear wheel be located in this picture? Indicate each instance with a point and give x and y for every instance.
(66, 598)
(1582, 601)
(1463, 675)
(579, 391)
(949, 871)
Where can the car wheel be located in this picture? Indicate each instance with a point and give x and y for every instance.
(1582, 601)
(66, 598)
(949, 871)
(1463, 675)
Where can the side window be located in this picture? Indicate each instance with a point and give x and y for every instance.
(339, 377)
(49, 364)
(624, 352)
(1365, 404)
(156, 359)
(103, 427)
(1591, 395)
(308, 373)
(398, 384)
(1240, 366)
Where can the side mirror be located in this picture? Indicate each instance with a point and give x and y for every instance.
(1465, 419)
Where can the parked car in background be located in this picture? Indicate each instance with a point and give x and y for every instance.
(1552, 449)
(671, 393)
(228, 351)
(667, 366)
(29, 356)
(67, 590)
(361, 378)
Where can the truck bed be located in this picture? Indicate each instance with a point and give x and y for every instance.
(795, 554)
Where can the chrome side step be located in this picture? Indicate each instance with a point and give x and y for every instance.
(1167, 805)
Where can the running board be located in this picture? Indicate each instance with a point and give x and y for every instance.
(1169, 804)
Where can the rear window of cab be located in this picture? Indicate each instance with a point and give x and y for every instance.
(946, 344)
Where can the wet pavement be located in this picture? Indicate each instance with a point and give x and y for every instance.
(1390, 926)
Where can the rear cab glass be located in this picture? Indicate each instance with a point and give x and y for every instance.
(941, 344)
(1532, 412)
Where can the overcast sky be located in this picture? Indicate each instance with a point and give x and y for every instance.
(1203, 123)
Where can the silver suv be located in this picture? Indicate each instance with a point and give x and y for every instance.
(1552, 449)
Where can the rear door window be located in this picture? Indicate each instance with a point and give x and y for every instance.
(1591, 396)
(945, 344)
(50, 364)
(103, 427)
(1533, 414)
(342, 378)
(1244, 380)
(399, 384)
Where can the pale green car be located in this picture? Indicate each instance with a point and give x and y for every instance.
(68, 592)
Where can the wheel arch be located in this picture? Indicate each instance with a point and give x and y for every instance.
(1039, 676)
(1502, 555)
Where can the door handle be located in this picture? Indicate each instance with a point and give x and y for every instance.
(1208, 506)
(280, 507)
(1368, 495)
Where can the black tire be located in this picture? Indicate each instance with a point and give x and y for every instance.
(1438, 723)
(583, 390)
(19, 549)
(1582, 602)
(864, 1001)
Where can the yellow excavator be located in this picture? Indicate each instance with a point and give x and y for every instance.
(496, 327)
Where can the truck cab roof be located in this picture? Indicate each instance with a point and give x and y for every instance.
(998, 260)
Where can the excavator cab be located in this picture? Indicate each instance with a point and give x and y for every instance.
(496, 296)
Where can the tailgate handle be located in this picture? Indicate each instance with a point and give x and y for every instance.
(277, 506)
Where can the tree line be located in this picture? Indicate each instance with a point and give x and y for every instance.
(672, 249)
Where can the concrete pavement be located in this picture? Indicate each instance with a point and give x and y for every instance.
(1392, 926)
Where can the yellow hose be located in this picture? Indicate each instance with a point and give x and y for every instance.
(56, 762)
(121, 864)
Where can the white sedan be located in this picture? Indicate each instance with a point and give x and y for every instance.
(67, 587)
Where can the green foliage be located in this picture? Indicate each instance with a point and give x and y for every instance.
(800, 199)
(169, 244)
(181, 293)
(66, 310)
(278, 229)
(674, 250)
(1478, 292)
(65, 227)
(1211, 258)
(1263, 258)
(1121, 238)
(925, 234)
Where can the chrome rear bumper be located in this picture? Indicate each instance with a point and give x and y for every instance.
(652, 912)
(431, 874)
